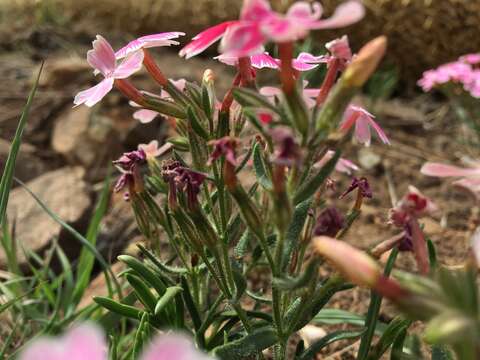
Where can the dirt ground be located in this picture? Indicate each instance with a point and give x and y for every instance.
(420, 127)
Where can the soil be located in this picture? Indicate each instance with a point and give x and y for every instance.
(420, 128)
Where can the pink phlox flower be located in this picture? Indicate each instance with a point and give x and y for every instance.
(145, 115)
(363, 121)
(306, 61)
(413, 204)
(309, 94)
(472, 59)
(149, 41)
(85, 341)
(343, 165)
(259, 23)
(468, 178)
(152, 150)
(102, 58)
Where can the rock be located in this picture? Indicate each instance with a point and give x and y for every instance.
(65, 193)
(84, 137)
(65, 70)
(28, 165)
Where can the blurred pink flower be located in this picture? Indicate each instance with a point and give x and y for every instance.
(85, 341)
(472, 59)
(309, 95)
(102, 58)
(148, 41)
(363, 121)
(152, 150)
(258, 24)
(343, 165)
(469, 178)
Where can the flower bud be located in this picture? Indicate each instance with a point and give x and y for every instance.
(208, 77)
(354, 264)
(365, 63)
(329, 222)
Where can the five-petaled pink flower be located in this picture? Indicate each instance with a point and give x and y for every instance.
(87, 341)
(363, 121)
(468, 178)
(259, 24)
(102, 58)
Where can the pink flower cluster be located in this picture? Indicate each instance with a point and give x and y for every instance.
(88, 342)
(465, 72)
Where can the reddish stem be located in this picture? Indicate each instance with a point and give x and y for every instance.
(329, 81)
(130, 91)
(419, 246)
(228, 98)
(390, 288)
(245, 71)
(287, 73)
(153, 68)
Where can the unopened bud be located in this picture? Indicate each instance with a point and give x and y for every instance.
(366, 62)
(354, 264)
(208, 77)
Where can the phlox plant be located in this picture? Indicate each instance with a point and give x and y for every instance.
(241, 189)
(460, 82)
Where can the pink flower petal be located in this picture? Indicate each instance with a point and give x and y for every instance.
(343, 165)
(381, 134)
(129, 65)
(301, 66)
(148, 41)
(205, 39)
(255, 10)
(362, 130)
(102, 57)
(345, 14)
(93, 95)
(444, 170)
(264, 60)
(242, 39)
(173, 347)
(302, 11)
(145, 116)
(83, 342)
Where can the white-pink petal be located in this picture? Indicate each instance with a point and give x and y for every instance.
(145, 116)
(173, 347)
(148, 41)
(83, 342)
(96, 93)
(345, 14)
(242, 39)
(444, 170)
(204, 39)
(102, 56)
(129, 65)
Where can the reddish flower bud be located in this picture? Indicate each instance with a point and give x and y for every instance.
(225, 146)
(329, 222)
(362, 185)
(287, 150)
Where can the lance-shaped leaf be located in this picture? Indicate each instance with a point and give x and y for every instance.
(118, 308)
(260, 169)
(170, 293)
(294, 230)
(251, 98)
(255, 342)
(165, 107)
(311, 185)
(309, 354)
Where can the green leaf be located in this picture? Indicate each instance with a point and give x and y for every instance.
(87, 258)
(395, 328)
(255, 342)
(294, 230)
(310, 186)
(327, 340)
(250, 98)
(260, 170)
(307, 276)
(196, 124)
(170, 293)
(373, 312)
(440, 352)
(145, 273)
(432, 254)
(9, 169)
(118, 308)
(142, 291)
(190, 304)
(161, 266)
(165, 107)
